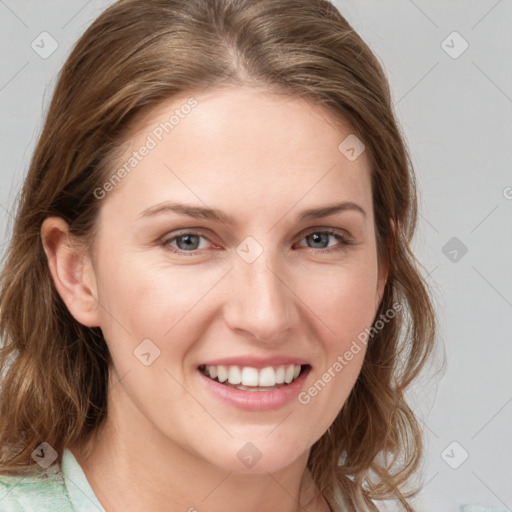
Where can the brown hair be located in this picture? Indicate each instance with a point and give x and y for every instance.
(135, 55)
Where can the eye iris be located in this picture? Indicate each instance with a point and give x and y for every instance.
(188, 244)
(320, 238)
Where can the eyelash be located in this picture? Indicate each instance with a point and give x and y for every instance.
(344, 241)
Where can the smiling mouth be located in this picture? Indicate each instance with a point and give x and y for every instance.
(248, 378)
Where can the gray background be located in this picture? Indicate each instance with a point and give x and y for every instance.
(456, 116)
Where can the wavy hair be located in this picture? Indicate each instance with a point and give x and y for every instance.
(137, 54)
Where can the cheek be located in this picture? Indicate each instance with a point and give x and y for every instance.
(343, 299)
(150, 310)
(142, 300)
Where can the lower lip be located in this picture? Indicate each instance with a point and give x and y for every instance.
(256, 400)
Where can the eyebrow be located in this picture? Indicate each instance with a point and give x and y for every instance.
(199, 212)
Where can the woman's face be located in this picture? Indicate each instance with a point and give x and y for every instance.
(210, 258)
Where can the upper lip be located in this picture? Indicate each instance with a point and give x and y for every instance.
(256, 362)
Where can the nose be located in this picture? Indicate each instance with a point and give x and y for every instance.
(261, 302)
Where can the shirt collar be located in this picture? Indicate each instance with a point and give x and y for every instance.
(80, 492)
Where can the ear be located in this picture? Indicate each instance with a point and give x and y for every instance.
(384, 272)
(72, 271)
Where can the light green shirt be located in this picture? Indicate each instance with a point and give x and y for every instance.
(60, 488)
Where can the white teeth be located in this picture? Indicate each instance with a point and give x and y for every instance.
(213, 371)
(222, 373)
(288, 376)
(252, 389)
(280, 375)
(267, 376)
(247, 377)
(234, 375)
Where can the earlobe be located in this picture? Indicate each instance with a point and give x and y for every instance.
(71, 270)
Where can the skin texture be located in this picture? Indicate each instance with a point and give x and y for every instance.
(169, 444)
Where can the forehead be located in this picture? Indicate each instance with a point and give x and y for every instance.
(241, 148)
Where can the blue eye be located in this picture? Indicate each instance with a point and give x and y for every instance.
(186, 242)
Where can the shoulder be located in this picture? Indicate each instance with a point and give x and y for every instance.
(42, 493)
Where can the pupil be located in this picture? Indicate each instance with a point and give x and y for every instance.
(317, 237)
(188, 244)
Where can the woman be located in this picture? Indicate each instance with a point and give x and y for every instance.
(209, 301)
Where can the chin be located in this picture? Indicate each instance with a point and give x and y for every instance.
(260, 456)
